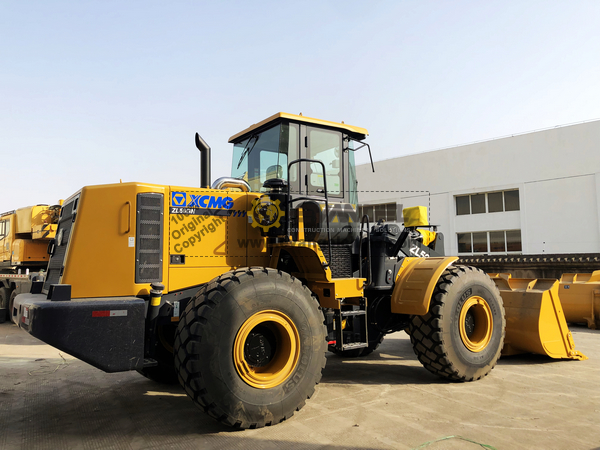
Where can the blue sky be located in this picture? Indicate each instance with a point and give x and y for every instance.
(95, 92)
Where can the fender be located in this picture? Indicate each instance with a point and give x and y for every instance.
(308, 257)
(313, 267)
(415, 282)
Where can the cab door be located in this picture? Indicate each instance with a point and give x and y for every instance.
(325, 146)
(329, 147)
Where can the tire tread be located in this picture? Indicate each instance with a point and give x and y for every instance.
(426, 332)
(199, 309)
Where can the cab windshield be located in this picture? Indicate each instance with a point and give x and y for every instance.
(265, 155)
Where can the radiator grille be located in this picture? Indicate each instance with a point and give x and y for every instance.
(341, 264)
(151, 214)
(149, 241)
(63, 231)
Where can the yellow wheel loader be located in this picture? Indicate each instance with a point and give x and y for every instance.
(237, 289)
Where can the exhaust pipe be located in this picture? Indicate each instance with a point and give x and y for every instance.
(204, 162)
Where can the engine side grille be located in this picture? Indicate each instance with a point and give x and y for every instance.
(149, 241)
(341, 264)
(63, 237)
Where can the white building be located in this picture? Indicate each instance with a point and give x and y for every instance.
(531, 193)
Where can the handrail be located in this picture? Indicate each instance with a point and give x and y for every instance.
(290, 200)
(360, 241)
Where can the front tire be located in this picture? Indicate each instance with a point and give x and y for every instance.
(461, 336)
(250, 347)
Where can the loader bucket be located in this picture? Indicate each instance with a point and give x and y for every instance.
(535, 322)
(580, 297)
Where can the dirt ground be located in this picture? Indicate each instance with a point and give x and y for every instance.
(50, 400)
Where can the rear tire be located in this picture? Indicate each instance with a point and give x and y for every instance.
(250, 347)
(461, 336)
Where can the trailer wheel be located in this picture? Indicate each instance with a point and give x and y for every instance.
(164, 372)
(461, 336)
(4, 296)
(11, 304)
(250, 347)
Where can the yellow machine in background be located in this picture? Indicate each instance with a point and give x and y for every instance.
(535, 320)
(580, 297)
(24, 237)
(238, 288)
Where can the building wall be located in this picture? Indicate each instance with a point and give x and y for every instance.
(556, 171)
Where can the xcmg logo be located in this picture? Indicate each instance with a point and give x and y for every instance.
(185, 200)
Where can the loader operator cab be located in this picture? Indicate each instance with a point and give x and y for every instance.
(283, 142)
(264, 151)
(312, 158)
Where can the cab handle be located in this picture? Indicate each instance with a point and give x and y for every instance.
(126, 221)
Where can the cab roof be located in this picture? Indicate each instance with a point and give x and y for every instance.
(354, 132)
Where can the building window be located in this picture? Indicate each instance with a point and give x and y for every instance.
(495, 202)
(385, 211)
(487, 202)
(511, 201)
(497, 242)
(478, 204)
(480, 243)
(463, 205)
(513, 241)
(506, 241)
(464, 242)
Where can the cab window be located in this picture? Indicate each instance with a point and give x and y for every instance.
(4, 228)
(266, 155)
(325, 146)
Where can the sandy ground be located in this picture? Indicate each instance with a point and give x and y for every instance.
(50, 400)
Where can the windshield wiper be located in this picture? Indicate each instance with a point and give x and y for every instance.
(247, 150)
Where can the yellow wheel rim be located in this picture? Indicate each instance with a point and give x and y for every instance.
(476, 324)
(266, 349)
